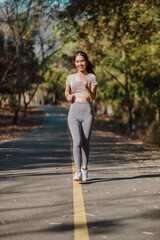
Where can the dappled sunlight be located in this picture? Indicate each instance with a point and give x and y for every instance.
(36, 184)
(114, 150)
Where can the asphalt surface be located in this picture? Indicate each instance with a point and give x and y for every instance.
(122, 196)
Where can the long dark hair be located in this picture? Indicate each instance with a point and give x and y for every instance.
(90, 66)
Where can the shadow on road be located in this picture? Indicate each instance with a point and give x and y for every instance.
(97, 180)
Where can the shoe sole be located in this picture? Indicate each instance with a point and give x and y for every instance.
(77, 180)
(85, 180)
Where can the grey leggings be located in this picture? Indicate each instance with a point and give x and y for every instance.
(80, 121)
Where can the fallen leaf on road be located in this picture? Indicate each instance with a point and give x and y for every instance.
(4, 221)
(65, 216)
(88, 214)
(54, 223)
(8, 157)
(86, 191)
(12, 166)
(156, 207)
(103, 236)
(149, 233)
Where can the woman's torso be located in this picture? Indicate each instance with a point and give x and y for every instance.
(77, 86)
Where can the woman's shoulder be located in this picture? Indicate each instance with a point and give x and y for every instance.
(69, 79)
(92, 75)
(92, 78)
(71, 75)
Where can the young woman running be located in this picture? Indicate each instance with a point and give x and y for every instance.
(80, 89)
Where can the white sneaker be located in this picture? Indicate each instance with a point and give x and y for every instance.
(84, 174)
(78, 176)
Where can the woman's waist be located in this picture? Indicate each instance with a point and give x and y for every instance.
(80, 95)
(80, 108)
(82, 99)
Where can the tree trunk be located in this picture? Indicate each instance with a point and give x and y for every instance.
(128, 100)
(158, 105)
(25, 111)
(56, 97)
(19, 78)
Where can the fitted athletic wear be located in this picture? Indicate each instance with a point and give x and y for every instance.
(77, 86)
(80, 119)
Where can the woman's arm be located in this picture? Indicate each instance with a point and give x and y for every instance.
(91, 92)
(68, 95)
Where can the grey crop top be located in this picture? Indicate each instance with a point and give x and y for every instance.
(77, 86)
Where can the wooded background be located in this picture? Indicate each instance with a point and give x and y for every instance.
(122, 39)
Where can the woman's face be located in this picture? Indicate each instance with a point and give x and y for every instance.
(80, 63)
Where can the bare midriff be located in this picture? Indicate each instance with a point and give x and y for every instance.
(81, 99)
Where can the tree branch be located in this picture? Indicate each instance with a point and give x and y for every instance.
(28, 12)
(114, 77)
(8, 68)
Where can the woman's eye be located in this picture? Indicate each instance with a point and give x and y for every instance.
(80, 61)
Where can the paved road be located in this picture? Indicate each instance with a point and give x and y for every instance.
(122, 197)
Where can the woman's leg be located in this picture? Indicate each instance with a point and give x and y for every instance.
(86, 132)
(75, 130)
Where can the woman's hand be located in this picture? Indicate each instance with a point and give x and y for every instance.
(68, 95)
(91, 92)
(85, 83)
(71, 97)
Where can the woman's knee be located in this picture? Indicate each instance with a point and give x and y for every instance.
(76, 144)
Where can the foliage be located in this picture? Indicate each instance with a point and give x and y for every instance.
(122, 39)
(56, 82)
(31, 27)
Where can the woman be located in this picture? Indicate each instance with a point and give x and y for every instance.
(80, 89)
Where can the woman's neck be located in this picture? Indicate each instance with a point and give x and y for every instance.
(81, 74)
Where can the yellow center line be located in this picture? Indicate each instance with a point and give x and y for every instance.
(80, 220)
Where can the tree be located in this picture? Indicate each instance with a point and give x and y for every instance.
(26, 20)
(56, 81)
(113, 32)
(16, 14)
(7, 68)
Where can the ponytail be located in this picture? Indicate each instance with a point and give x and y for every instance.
(90, 68)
